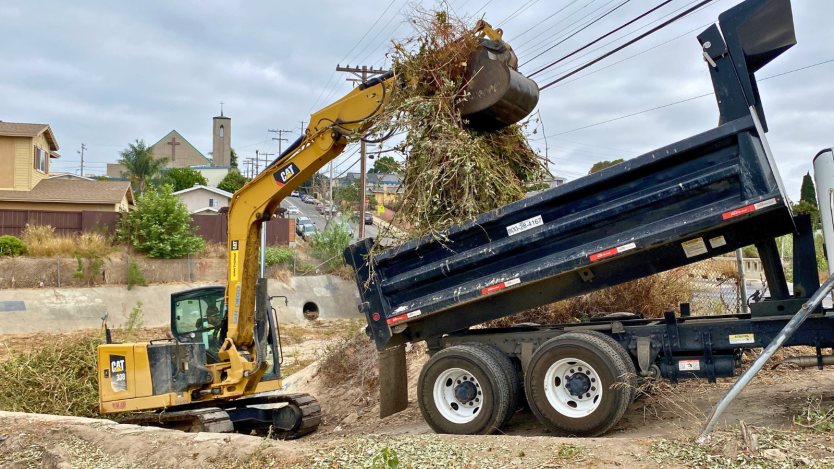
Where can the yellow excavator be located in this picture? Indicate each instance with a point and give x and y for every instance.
(221, 371)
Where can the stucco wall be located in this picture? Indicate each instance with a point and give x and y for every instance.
(213, 175)
(67, 309)
(199, 198)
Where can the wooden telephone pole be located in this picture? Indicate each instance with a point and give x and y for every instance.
(363, 74)
(280, 137)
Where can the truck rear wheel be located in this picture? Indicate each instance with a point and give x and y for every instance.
(509, 372)
(570, 385)
(630, 379)
(463, 390)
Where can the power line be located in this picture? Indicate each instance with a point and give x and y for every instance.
(617, 49)
(556, 71)
(635, 55)
(578, 30)
(542, 21)
(686, 100)
(519, 11)
(620, 28)
(479, 9)
(562, 32)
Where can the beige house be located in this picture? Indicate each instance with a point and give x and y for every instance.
(64, 195)
(173, 146)
(204, 199)
(25, 151)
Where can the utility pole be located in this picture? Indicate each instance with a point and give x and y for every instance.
(362, 74)
(281, 137)
(257, 160)
(83, 147)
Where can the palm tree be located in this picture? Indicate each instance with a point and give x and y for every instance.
(140, 163)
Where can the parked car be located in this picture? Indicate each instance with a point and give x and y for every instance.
(300, 222)
(310, 200)
(293, 210)
(307, 231)
(295, 194)
(369, 219)
(319, 207)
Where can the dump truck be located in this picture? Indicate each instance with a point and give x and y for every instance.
(701, 197)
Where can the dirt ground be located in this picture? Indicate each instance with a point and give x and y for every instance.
(658, 430)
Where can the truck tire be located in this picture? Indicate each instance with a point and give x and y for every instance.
(463, 390)
(509, 372)
(569, 385)
(630, 379)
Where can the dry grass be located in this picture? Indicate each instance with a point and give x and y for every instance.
(651, 296)
(42, 241)
(213, 250)
(350, 359)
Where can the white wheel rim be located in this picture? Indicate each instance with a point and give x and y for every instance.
(562, 383)
(458, 395)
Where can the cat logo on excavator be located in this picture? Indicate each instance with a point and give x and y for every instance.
(285, 173)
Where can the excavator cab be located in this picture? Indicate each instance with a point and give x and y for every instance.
(199, 316)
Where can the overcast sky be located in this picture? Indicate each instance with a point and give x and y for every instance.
(105, 73)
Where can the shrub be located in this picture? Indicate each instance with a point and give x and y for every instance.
(330, 244)
(160, 226)
(184, 178)
(135, 276)
(276, 256)
(11, 246)
(232, 182)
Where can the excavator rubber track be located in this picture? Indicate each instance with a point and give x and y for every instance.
(217, 419)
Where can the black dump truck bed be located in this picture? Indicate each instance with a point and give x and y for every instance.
(701, 197)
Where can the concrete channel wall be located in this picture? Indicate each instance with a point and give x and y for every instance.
(26, 311)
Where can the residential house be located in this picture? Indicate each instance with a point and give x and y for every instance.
(204, 199)
(385, 187)
(25, 152)
(64, 195)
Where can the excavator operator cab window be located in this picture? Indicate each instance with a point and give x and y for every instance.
(199, 316)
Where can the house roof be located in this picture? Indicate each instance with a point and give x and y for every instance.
(205, 209)
(70, 176)
(15, 129)
(183, 139)
(217, 191)
(72, 191)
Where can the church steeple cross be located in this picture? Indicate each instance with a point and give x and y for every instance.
(173, 144)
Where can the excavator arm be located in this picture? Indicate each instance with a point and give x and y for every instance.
(253, 204)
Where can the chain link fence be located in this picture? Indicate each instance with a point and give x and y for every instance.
(715, 287)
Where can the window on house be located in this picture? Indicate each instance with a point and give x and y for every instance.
(213, 203)
(40, 160)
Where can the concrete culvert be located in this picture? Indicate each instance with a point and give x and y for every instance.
(311, 311)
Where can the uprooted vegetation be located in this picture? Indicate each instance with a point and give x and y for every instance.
(451, 173)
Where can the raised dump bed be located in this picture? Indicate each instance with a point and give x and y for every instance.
(701, 197)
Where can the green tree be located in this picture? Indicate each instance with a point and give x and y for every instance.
(102, 178)
(160, 226)
(233, 158)
(385, 165)
(804, 207)
(183, 178)
(232, 182)
(140, 163)
(604, 164)
(808, 194)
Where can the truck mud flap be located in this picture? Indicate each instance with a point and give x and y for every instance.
(393, 381)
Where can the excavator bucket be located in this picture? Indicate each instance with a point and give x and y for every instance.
(496, 94)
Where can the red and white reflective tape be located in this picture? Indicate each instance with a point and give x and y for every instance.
(612, 251)
(403, 317)
(747, 209)
(500, 286)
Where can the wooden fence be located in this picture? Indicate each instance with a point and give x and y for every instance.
(212, 228)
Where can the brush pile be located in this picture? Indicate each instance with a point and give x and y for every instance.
(60, 378)
(450, 173)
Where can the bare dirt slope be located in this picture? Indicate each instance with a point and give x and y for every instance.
(658, 430)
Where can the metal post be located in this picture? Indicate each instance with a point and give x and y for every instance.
(745, 309)
(263, 249)
(362, 190)
(780, 339)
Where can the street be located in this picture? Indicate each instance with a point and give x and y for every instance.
(309, 211)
